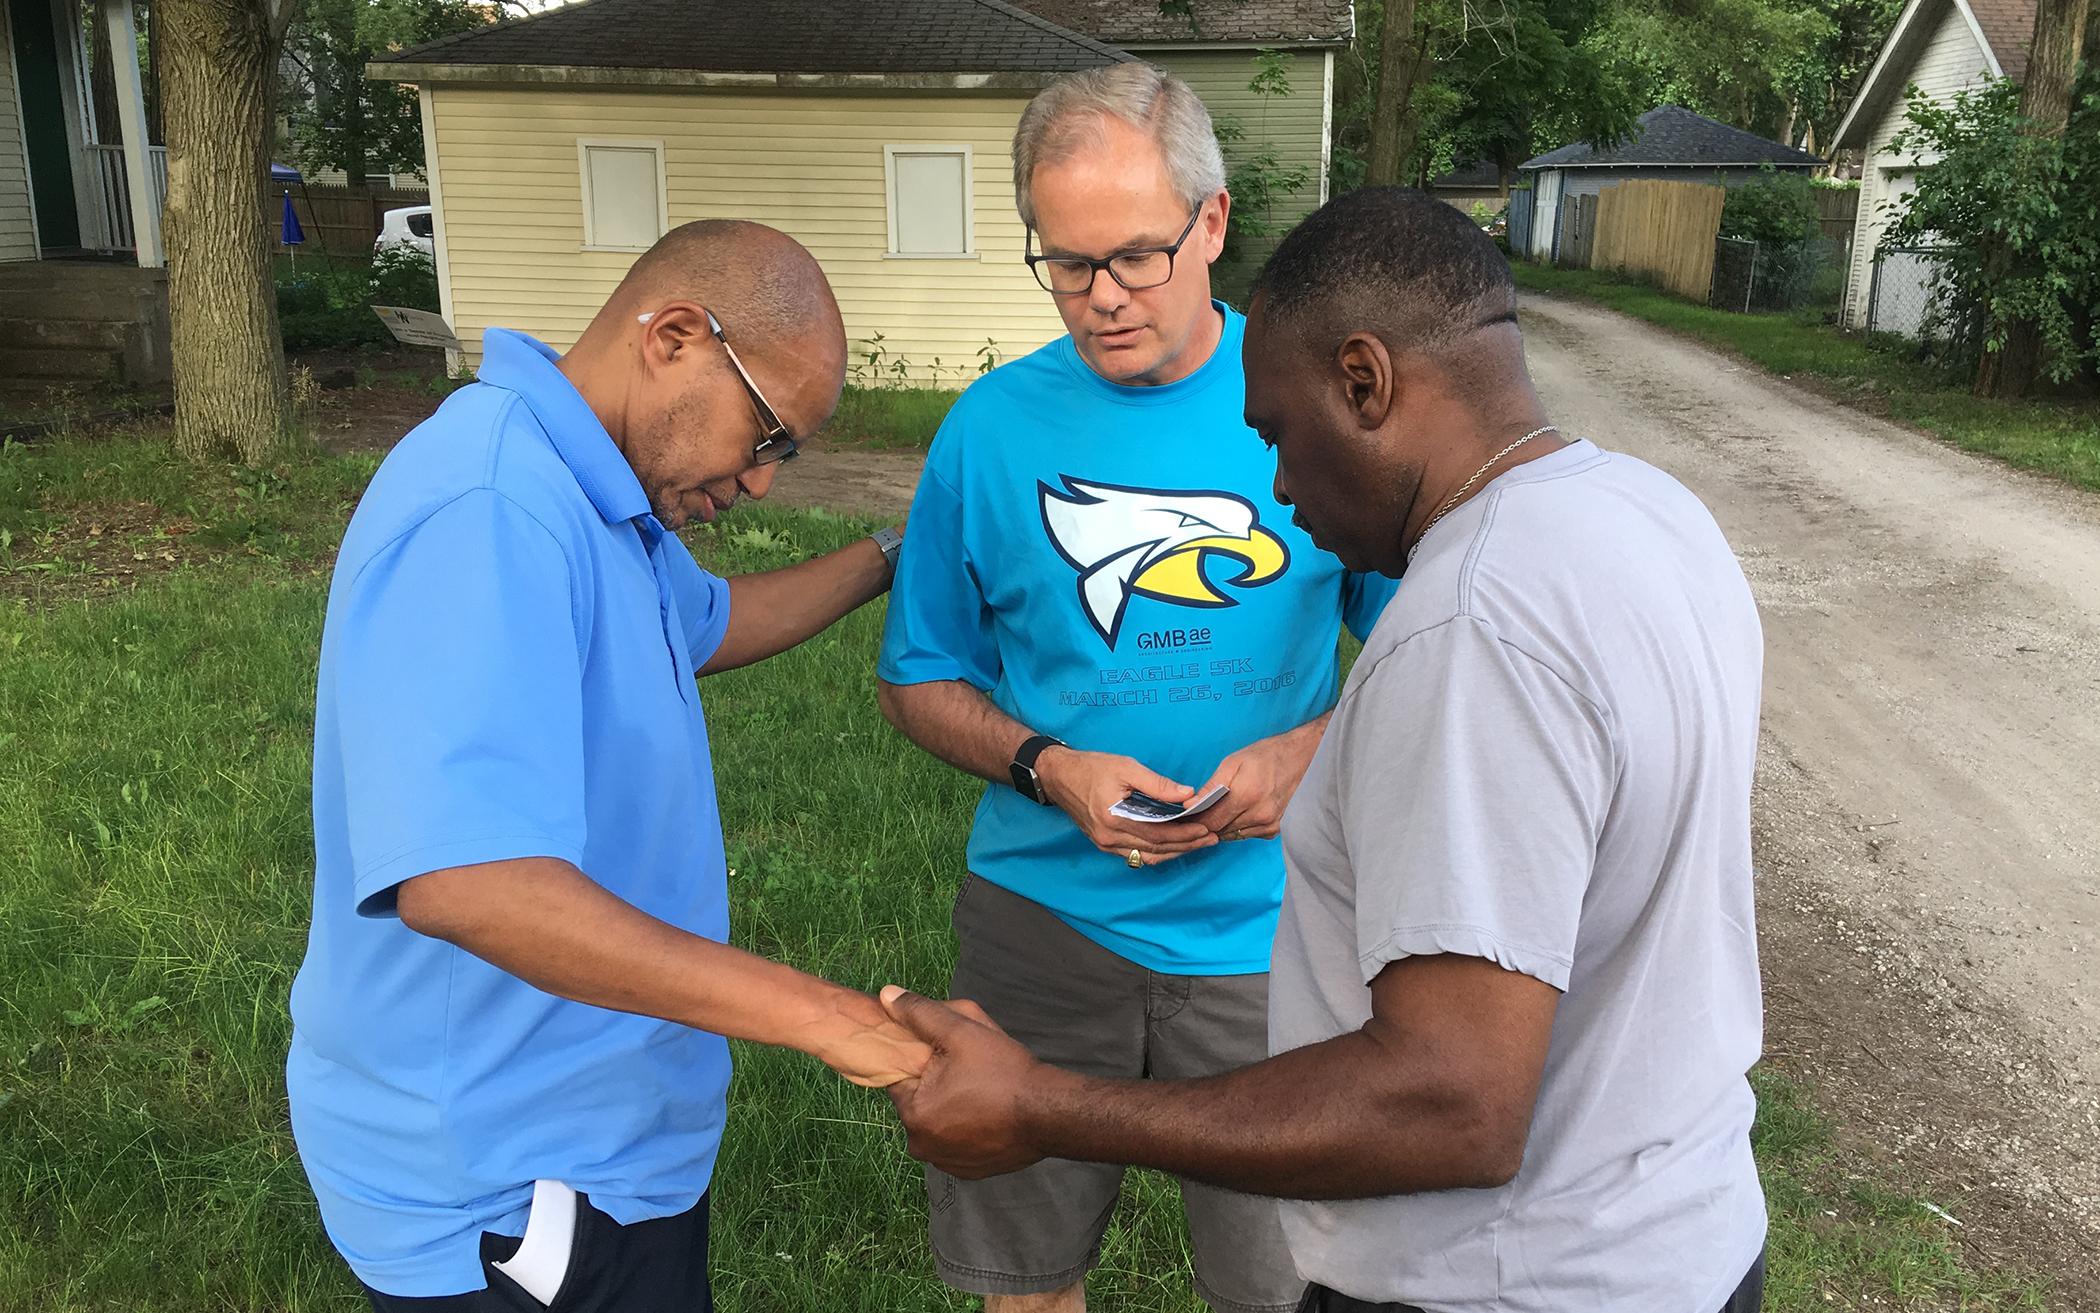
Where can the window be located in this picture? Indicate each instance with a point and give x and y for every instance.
(420, 225)
(929, 202)
(623, 193)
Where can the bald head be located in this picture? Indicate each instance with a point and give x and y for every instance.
(696, 414)
(766, 289)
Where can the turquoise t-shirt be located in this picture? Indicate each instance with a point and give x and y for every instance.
(1110, 564)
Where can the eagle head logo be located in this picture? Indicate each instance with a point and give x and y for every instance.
(1157, 543)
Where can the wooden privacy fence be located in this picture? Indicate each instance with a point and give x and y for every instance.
(339, 220)
(1836, 209)
(1662, 230)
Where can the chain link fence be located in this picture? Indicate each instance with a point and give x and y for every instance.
(1750, 276)
(1905, 296)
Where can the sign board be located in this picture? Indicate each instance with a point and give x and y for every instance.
(416, 327)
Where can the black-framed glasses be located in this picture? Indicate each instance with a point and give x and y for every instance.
(1071, 275)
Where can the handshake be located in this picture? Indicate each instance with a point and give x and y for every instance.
(960, 1084)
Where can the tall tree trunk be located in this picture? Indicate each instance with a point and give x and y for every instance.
(220, 65)
(2045, 105)
(1393, 124)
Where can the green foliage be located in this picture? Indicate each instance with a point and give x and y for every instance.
(1506, 81)
(2014, 219)
(1778, 212)
(875, 367)
(1772, 67)
(1254, 173)
(326, 302)
(888, 418)
(339, 117)
(1778, 208)
(1514, 78)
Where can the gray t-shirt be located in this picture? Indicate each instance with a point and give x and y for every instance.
(1543, 758)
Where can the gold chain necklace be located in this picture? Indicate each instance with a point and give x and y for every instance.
(1467, 486)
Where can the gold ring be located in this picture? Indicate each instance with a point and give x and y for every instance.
(1136, 858)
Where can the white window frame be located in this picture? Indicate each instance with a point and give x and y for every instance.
(583, 173)
(969, 199)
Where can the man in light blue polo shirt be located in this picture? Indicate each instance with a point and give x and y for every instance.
(508, 1072)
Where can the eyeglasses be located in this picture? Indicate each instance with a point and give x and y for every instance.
(775, 443)
(1065, 275)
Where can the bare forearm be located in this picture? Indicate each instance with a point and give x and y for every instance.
(774, 610)
(956, 723)
(545, 922)
(1345, 1119)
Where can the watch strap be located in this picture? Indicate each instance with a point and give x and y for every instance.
(1023, 768)
(890, 541)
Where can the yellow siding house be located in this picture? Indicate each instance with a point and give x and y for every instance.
(561, 145)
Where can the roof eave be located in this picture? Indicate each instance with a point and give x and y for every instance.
(434, 74)
(1136, 44)
(1686, 164)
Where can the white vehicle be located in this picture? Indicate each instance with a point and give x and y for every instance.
(409, 226)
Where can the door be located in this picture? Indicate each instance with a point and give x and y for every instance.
(37, 63)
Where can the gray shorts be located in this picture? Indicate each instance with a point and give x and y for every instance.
(1079, 1006)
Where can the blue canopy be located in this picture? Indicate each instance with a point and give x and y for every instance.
(284, 173)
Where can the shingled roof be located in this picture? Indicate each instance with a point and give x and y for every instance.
(773, 37)
(1673, 135)
(2009, 26)
(1208, 22)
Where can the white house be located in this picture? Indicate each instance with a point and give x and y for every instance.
(1941, 47)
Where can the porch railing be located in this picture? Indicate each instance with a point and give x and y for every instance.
(107, 224)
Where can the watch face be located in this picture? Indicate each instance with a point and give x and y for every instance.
(1025, 782)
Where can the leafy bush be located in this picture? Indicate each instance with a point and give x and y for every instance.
(2014, 221)
(326, 303)
(1778, 212)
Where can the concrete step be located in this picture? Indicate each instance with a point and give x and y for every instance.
(97, 334)
(110, 304)
(71, 364)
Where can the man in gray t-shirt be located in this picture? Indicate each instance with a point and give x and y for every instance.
(1515, 987)
(1542, 759)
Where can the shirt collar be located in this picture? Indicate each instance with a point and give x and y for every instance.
(525, 365)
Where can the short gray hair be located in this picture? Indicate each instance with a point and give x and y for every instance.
(1065, 118)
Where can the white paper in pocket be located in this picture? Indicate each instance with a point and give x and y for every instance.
(542, 1261)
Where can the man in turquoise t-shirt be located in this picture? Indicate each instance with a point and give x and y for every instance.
(1100, 594)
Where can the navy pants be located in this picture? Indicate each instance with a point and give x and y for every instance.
(658, 1266)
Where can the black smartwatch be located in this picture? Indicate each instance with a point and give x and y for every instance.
(1023, 769)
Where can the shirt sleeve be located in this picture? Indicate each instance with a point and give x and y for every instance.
(458, 689)
(1363, 600)
(1474, 788)
(939, 626)
(703, 600)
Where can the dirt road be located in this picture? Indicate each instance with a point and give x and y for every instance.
(1929, 793)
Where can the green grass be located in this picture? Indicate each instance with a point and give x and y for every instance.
(888, 418)
(154, 757)
(1878, 374)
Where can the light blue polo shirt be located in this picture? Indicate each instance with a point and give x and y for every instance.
(507, 671)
